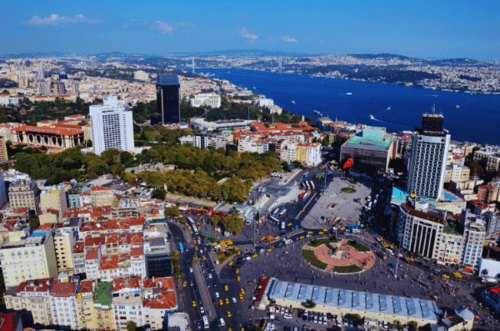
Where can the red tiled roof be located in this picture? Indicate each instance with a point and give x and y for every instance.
(64, 132)
(423, 215)
(125, 238)
(63, 289)
(137, 251)
(9, 321)
(124, 283)
(20, 210)
(86, 286)
(165, 300)
(99, 188)
(38, 285)
(109, 262)
(79, 248)
(92, 254)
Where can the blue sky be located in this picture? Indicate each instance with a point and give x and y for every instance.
(418, 28)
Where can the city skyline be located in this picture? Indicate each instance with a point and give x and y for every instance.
(415, 30)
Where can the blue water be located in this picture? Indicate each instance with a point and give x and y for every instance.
(476, 120)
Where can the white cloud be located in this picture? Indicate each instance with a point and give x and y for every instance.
(167, 28)
(55, 19)
(245, 34)
(288, 39)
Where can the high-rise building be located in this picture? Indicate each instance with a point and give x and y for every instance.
(141, 75)
(26, 256)
(24, 194)
(59, 88)
(40, 76)
(428, 157)
(3, 150)
(112, 126)
(43, 88)
(167, 100)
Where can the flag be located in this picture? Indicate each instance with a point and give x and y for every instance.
(348, 163)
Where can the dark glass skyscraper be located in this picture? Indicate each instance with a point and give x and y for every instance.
(168, 100)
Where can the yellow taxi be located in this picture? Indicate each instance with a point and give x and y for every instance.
(195, 248)
(303, 210)
(199, 239)
(238, 278)
(204, 258)
(194, 241)
(228, 313)
(184, 284)
(191, 231)
(241, 296)
(255, 255)
(231, 263)
(301, 237)
(221, 302)
(242, 329)
(325, 230)
(263, 238)
(242, 290)
(321, 232)
(446, 276)
(289, 224)
(309, 232)
(226, 288)
(237, 271)
(194, 303)
(269, 249)
(227, 301)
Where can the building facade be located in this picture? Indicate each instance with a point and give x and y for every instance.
(53, 197)
(24, 193)
(55, 138)
(112, 126)
(168, 98)
(206, 99)
(24, 257)
(429, 150)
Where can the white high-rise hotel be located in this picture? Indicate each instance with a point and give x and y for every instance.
(112, 126)
(429, 149)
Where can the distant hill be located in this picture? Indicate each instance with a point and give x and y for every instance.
(378, 56)
(245, 52)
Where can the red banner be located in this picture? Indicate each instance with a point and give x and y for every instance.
(348, 163)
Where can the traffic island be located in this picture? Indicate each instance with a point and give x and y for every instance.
(338, 256)
(348, 190)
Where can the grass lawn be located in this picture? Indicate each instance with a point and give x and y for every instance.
(359, 247)
(348, 190)
(313, 260)
(346, 269)
(317, 242)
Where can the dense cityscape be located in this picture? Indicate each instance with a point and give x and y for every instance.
(262, 166)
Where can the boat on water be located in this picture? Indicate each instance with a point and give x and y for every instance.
(372, 117)
(293, 101)
(254, 87)
(316, 112)
(227, 72)
(348, 93)
(457, 106)
(389, 108)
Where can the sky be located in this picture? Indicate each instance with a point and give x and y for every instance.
(418, 28)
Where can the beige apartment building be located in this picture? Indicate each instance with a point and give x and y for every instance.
(101, 196)
(53, 197)
(31, 298)
(24, 193)
(3, 149)
(456, 173)
(64, 242)
(24, 257)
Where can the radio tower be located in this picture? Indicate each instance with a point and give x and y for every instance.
(192, 63)
(280, 60)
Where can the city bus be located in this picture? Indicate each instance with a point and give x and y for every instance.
(282, 212)
(205, 322)
(312, 185)
(274, 219)
(181, 247)
(276, 212)
(193, 225)
(307, 185)
(283, 225)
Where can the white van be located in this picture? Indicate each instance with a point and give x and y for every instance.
(191, 270)
(222, 321)
(389, 251)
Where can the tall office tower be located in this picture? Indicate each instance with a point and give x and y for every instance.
(59, 88)
(167, 100)
(76, 88)
(428, 157)
(41, 76)
(43, 88)
(112, 126)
